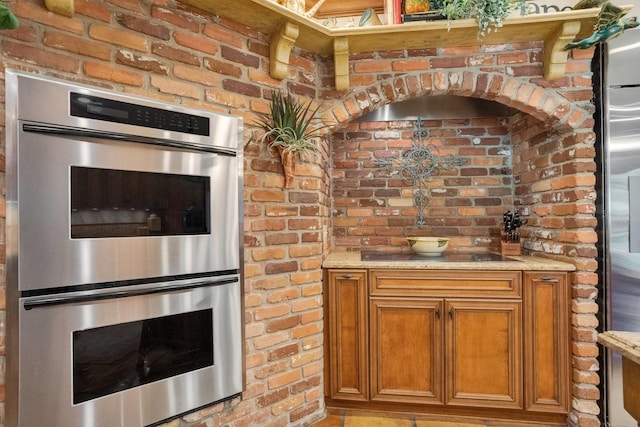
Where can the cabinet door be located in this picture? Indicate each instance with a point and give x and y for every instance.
(484, 353)
(406, 350)
(348, 331)
(546, 335)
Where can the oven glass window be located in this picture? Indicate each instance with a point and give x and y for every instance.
(118, 357)
(119, 203)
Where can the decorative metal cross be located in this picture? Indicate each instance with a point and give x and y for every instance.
(418, 164)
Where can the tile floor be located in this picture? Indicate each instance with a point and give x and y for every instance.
(362, 420)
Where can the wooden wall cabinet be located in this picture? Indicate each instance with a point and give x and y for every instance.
(486, 343)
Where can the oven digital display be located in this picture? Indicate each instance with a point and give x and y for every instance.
(119, 203)
(106, 111)
(95, 107)
(114, 358)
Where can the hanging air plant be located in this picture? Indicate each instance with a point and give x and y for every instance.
(292, 129)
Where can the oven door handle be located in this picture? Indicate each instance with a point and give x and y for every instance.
(47, 301)
(187, 146)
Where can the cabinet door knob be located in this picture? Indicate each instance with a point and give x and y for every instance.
(438, 312)
(548, 278)
(451, 312)
(347, 276)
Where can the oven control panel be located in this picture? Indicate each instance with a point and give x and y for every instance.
(98, 108)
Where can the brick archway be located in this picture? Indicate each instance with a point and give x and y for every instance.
(544, 104)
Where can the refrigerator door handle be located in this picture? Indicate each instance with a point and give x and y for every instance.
(634, 214)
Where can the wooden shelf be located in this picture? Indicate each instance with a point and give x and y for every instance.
(288, 28)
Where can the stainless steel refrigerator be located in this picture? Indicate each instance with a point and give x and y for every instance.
(618, 92)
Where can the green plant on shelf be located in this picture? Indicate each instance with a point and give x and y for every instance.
(489, 14)
(8, 20)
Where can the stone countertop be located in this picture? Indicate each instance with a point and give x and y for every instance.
(352, 259)
(626, 343)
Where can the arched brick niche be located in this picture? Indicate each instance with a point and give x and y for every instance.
(527, 161)
(540, 160)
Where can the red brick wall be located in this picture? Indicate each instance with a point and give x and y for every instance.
(373, 207)
(555, 180)
(185, 56)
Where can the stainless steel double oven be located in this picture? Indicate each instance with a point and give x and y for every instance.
(124, 278)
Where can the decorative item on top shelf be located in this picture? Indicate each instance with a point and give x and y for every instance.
(428, 246)
(397, 11)
(421, 10)
(311, 12)
(369, 18)
(509, 234)
(416, 6)
(297, 6)
(611, 23)
(291, 129)
(389, 12)
(588, 4)
(426, 16)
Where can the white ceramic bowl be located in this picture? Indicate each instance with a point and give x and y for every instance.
(429, 246)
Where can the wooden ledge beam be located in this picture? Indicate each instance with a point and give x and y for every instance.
(555, 57)
(60, 7)
(280, 50)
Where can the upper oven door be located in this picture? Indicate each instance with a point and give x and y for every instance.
(95, 210)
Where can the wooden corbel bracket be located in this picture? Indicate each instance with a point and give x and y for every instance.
(60, 7)
(280, 50)
(555, 56)
(341, 62)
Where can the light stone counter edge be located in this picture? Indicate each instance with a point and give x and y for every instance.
(351, 259)
(626, 343)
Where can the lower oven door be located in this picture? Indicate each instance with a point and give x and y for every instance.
(129, 357)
